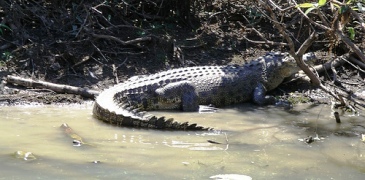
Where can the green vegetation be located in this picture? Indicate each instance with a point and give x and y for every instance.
(296, 98)
(312, 6)
(3, 26)
(5, 57)
(343, 9)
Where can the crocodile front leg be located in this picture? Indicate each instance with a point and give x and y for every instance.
(260, 98)
(183, 90)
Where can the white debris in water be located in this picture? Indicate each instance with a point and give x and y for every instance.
(231, 177)
(24, 155)
(27, 155)
(207, 109)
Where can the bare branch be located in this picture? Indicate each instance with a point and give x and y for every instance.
(60, 88)
(357, 62)
(265, 42)
(130, 42)
(311, 21)
(315, 80)
(307, 43)
(356, 15)
(349, 43)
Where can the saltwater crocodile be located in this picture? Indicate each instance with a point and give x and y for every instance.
(186, 88)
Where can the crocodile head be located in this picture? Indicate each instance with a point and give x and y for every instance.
(279, 66)
(289, 65)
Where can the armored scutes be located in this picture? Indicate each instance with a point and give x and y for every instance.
(187, 88)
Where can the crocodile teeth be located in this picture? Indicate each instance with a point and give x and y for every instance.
(141, 114)
(124, 105)
(147, 116)
(128, 108)
(135, 111)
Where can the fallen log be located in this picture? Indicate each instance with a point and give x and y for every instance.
(59, 88)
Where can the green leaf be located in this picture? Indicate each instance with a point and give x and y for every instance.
(336, 5)
(344, 9)
(306, 5)
(4, 26)
(309, 10)
(321, 3)
(6, 56)
(351, 32)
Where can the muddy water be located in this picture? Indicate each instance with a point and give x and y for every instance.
(263, 143)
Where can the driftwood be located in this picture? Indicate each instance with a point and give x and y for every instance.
(76, 139)
(59, 88)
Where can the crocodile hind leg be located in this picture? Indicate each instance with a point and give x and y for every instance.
(260, 98)
(183, 90)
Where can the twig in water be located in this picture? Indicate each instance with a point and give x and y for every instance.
(115, 74)
(337, 117)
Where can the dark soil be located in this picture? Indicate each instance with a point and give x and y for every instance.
(95, 44)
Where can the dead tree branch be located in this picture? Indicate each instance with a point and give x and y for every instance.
(60, 88)
(350, 44)
(296, 55)
(337, 30)
(129, 42)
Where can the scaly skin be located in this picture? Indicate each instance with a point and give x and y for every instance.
(186, 88)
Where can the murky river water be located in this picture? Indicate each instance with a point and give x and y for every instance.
(260, 142)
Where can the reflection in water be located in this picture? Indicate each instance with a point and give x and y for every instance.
(260, 142)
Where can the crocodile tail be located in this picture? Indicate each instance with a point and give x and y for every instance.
(114, 112)
(140, 120)
(154, 122)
